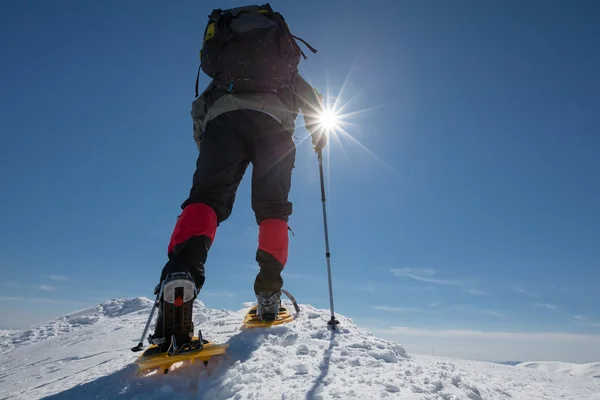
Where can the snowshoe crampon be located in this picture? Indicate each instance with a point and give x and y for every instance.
(252, 320)
(154, 358)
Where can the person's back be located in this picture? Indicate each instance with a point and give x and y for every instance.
(245, 115)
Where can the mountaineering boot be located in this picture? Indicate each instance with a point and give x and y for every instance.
(182, 277)
(268, 306)
(175, 312)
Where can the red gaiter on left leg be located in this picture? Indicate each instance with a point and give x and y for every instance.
(273, 238)
(197, 219)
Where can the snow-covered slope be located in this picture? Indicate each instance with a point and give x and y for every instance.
(6, 332)
(590, 370)
(86, 355)
(72, 322)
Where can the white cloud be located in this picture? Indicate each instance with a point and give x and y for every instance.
(435, 304)
(475, 292)
(494, 314)
(546, 305)
(11, 284)
(493, 345)
(467, 333)
(46, 287)
(474, 309)
(587, 321)
(423, 275)
(396, 309)
(521, 290)
(58, 278)
(430, 276)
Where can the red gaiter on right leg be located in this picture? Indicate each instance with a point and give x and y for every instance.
(273, 239)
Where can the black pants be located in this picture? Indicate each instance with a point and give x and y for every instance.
(230, 143)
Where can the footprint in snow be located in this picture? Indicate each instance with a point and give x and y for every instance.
(391, 388)
(301, 369)
(288, 339)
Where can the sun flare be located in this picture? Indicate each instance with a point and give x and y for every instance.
(329, 120)
(334, 118)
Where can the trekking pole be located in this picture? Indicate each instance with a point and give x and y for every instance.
(333, 322)
(140, 345)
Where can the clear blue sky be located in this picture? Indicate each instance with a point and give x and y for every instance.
(482, 213)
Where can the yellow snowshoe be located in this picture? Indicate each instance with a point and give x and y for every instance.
(198, 349)
(253, 319)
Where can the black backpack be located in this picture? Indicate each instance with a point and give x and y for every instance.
(249, 49)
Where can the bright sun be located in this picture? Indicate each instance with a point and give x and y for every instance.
(334, 119)
(329, 120)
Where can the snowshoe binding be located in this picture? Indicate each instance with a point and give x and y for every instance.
(174, 325)
(268, 306)
(270, 311)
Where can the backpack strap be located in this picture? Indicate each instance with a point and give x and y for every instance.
(277, 17)
(307, 45)
(198, 78)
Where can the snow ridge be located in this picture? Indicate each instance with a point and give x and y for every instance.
(71, 322)
(591, 370)
(6, 332)
(90, 358)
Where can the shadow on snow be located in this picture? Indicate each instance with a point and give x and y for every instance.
(193, 381)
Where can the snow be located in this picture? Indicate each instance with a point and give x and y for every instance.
(73, 322)
(86, 355)
(590, 370)
(6, 332)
